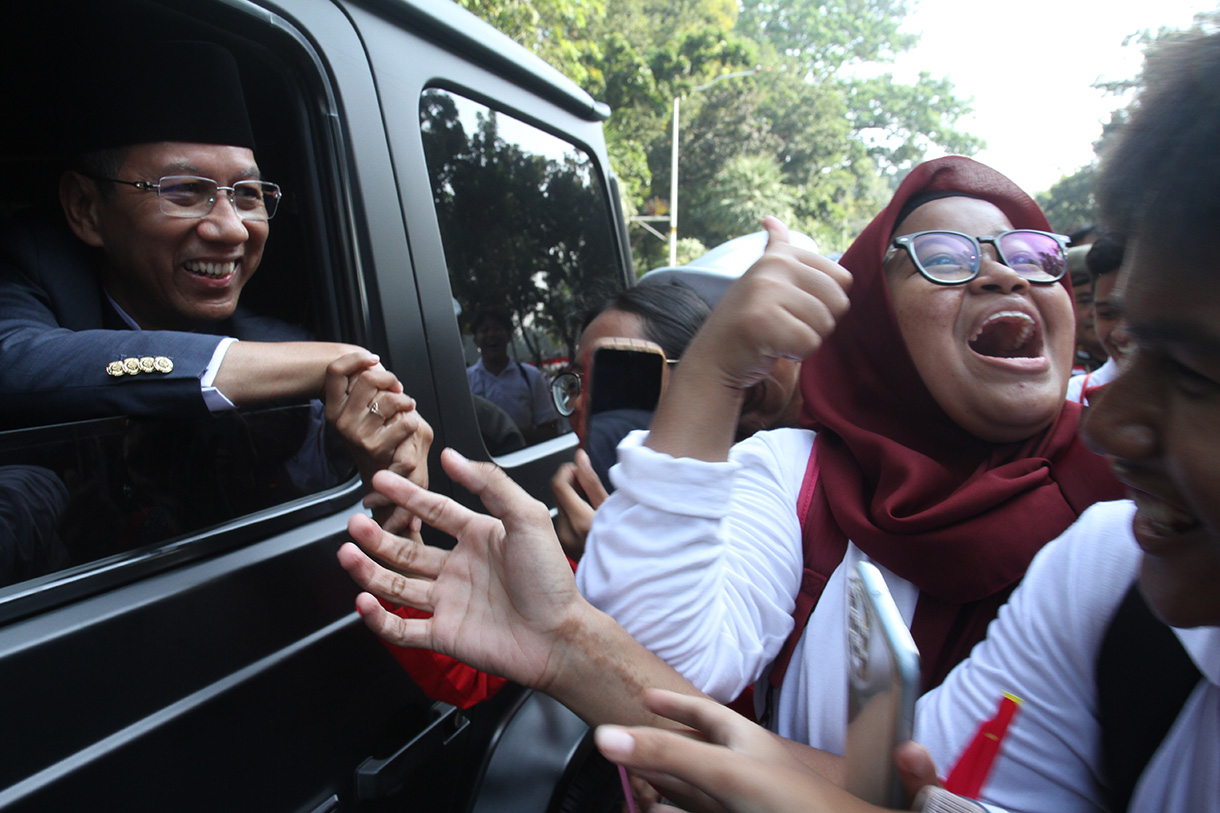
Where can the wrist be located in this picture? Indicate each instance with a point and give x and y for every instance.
(572, 648)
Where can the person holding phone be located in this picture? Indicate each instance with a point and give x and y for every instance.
(1155, 558)
(1159, 422)
(666, 315)
(946, 454)
(1156, 422)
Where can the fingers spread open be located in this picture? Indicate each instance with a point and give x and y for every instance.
(386, 584)
(408, 632)
(502, 497)
(436, 510)
(404, 555)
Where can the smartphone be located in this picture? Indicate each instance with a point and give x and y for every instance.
(882, 686)
(625, 374)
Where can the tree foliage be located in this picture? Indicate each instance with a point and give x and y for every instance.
(824, 145)
(1069, 203)
(547, 246)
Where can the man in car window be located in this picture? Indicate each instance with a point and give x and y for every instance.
(133, 309)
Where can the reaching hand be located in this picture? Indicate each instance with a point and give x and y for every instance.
(578, 494)
(366, 404)
(726, 763)
(501, 599)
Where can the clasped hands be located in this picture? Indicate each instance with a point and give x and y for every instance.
(366, 404)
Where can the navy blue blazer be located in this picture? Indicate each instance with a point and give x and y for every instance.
(60, 336)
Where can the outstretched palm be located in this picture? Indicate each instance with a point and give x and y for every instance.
(501, 599)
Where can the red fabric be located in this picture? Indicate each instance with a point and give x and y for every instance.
(440, 676)
(821, 560)
(956, 515)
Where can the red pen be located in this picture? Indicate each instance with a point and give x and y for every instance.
(972, 768)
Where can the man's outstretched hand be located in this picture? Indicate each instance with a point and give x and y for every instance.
(501, 600)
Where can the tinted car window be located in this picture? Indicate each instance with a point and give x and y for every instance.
(86, 491)
(528, 245)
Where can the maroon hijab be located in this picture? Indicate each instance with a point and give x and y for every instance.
(956, 515)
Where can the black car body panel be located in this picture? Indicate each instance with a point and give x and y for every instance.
(220, 664)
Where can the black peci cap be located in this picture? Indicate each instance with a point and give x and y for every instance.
(169, 91)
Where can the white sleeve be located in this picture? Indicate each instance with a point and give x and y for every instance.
(701, 562)
(1042, 648)
(216, 400)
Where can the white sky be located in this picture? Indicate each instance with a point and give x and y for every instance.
(1029, 66)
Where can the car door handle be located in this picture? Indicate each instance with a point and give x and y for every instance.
(378, 778)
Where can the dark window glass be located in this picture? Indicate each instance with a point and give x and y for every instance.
(77, 493)
(525, 222)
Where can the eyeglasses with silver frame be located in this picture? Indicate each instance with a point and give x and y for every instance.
(189, 196)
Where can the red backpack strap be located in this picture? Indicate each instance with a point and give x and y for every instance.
(823, 550)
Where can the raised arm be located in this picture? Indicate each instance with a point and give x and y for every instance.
(783, 307)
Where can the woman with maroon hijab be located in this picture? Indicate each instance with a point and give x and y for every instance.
(933, 379)
(944, 453)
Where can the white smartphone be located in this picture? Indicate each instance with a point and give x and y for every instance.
(882, 686)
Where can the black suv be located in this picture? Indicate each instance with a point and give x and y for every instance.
(175, 633)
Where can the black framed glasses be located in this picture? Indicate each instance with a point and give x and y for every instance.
(192, 196)
(953, 258)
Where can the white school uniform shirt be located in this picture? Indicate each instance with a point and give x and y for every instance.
(701, 562)
(1043, 648)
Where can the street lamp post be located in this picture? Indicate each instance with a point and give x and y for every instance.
(673, 174)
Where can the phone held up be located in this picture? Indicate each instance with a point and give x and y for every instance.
(625, 374)
(883, 684)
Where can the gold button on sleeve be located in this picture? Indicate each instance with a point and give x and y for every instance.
(115, 368)
(163, 365)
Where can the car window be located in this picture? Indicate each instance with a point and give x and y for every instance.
(84, 487)
(79, 493)
(524, 221)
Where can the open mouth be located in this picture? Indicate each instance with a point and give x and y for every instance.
(1162, 517)
(211, 270)
(1009, 335)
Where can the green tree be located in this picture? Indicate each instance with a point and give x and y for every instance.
(748, 187)
(1068, 204)
(547, 247)
(552, 29)
(822, 37)
(837, 141)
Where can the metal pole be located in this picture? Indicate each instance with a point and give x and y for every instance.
(673, 194)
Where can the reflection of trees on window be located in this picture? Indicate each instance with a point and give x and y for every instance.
(523, 218)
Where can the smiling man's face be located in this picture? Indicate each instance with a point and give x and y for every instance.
(1159, 422)
(174, 273)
